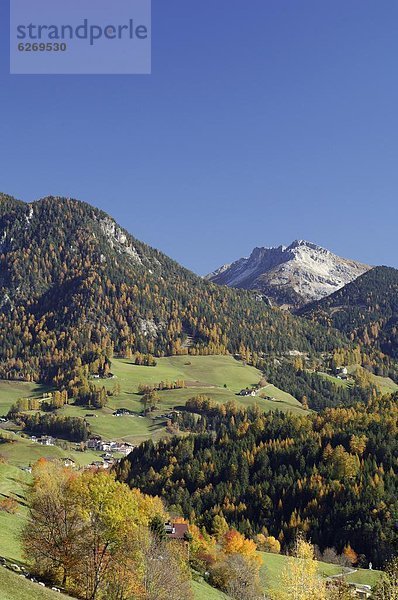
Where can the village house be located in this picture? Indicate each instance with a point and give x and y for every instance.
(98, 464)
(93, 442)
(125, 449)
(176, 531)
(247, 392)
(47, 440)
(96, 443)
(342, 371)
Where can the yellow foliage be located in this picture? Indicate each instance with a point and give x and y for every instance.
(300, 579)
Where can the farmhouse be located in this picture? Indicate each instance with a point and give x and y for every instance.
(176, 531)
(342, 370)
(93, 442)
(47, 440)
(247, 392)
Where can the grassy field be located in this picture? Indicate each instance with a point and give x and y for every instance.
(13, 484)
(384, 384)
(278, 400)
(10, 391)
(339, 382)
(16, 587)
(204, 591)
(219, 377)
(204, 371)
(205, 375)
(19, 451)
(273, 565)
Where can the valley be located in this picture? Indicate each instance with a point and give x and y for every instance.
(171, 397)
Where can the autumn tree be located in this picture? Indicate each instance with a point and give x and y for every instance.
(238, 576)
(300, 578)
(163, 573)
(220, 526)
(268, 543)
(350, 555)
(84, 530)
(150, 400)
(234, 542)
(51, 536)
(387, 587)
(108, 518)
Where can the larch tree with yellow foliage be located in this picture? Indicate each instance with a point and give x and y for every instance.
(300, 579)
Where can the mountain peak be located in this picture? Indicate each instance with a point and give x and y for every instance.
(305, 244)
(290, 275)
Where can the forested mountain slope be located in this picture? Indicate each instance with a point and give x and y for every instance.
(366, 310)
(332, 475)
(74, 286)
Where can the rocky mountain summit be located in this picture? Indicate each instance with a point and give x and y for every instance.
(292, 275)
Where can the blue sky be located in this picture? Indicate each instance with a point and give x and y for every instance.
(263, 121)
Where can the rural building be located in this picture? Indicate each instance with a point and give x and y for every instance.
(47, 440)
(176, 531)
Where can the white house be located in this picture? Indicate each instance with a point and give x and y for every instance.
(47, 440)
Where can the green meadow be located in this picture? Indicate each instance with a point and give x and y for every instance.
(204, 591)
(20, 451)
(339, 382)
(219, 377)
(14, 484)
(274, 564)
(16, 587)
(10, 391)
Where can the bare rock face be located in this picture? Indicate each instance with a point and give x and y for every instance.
(290, 276)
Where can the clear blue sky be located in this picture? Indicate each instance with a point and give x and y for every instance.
(263, 121)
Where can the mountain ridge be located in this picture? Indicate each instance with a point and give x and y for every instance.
(366, 310)
(75, 287)
(291, 275)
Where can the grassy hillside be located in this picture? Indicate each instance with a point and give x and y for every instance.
(21, 452)
(16, 587)
(204, 591)
(10, 391)
(13, 484)
(339, 382)
(219, 377)
(204, 371)
(273, 565)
